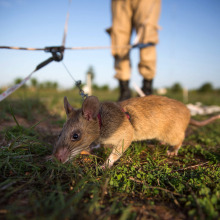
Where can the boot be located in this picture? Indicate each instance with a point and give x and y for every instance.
(125, 92)
(147, 86)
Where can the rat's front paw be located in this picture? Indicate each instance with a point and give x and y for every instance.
(103, 167)
(107, 165)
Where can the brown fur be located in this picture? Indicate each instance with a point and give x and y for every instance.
(151, 117)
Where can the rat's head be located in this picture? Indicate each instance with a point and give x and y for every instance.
(79, 131)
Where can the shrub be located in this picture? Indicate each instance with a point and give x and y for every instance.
(206, 87)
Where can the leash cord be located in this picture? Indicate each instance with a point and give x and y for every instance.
(78, 83)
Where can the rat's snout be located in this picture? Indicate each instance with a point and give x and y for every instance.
(62, 154)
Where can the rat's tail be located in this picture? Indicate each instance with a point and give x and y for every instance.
(205, 122)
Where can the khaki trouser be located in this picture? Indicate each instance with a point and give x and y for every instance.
(142, 15)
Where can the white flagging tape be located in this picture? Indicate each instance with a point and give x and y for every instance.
(138, 90)
(15, 87)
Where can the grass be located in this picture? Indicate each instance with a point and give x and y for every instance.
(143, 184)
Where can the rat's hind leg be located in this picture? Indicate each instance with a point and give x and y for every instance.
(174, 150)
(175, 142)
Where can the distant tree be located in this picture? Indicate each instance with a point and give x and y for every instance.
(176, 87)
(206, 87)
(34, 82)
(41, 85)
(105, 87)
(55, 85)
(100, 88)
(95, 87)
(47, 84)
(19, 80)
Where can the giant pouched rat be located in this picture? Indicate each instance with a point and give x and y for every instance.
(118, 124)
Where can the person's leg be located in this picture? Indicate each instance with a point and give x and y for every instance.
(120, 38)
(146, 23)
(147, 68)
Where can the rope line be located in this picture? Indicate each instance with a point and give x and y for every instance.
(20, 48)
(66, 25)
(130, 46)
(67, 70)
(9, 91)
(78, 83)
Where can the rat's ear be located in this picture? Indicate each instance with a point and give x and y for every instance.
(68, 108)
(90, 108)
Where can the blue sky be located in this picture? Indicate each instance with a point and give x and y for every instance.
(188, 52)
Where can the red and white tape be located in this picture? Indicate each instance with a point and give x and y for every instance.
(15, 87)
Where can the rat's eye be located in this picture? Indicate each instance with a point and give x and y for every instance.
(75, 136)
